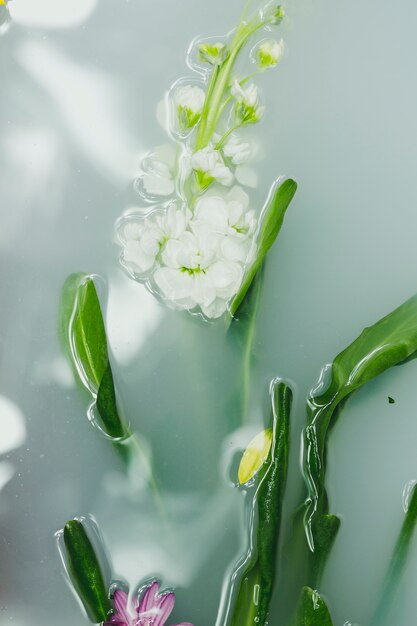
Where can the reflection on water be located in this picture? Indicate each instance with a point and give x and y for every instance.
(51, 14)
(12, 426)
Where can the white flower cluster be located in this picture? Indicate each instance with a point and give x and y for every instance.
(194, 259)
(193, 246)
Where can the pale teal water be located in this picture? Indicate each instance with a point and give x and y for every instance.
(77, 110)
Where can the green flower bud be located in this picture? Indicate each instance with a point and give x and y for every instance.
(270, 53)
(215, 54)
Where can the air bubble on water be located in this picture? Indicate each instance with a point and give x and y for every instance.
(407, 492)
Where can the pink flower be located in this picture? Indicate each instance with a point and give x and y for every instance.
(148, 608)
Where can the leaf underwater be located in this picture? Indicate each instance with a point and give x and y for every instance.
(391, 341)
(311, 610)
(398, 563)
(271, 222)
(82, 327)
(82, 330)
(257, 579)
(85, 572)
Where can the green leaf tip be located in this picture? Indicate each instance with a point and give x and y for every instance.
(271, 222)
(311, 610)
(84, 570)
(82, 329)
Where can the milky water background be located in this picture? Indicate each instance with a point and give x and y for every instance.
(80, 82)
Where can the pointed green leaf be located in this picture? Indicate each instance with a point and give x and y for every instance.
(311, 610)
(85, 572)
(82, 329)
(389, 342)
(271, 221)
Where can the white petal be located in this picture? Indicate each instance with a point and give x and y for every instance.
(246, 176)
(136, 258)
(215, 309)
(157, 185)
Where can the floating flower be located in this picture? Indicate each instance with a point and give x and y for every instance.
(248, 109)
(230, 219)
(238, 151)
(159, 177)
(190, 101)
(194, 274)
(210, 167)
(144, 239)
(215, 54)
(148, 608)
(270, 53)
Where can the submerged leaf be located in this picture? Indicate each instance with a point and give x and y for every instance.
(82, 329)
(258, 576)
(389, 342)
(85, 572)
(271, 222)
(255, 456)
(107, 407)
(83, 333)
(311, 610)
(398, 563)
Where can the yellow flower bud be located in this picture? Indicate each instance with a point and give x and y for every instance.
(255, 456)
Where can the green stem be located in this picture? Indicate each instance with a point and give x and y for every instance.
(226, 135)
(212, 106)
(257, 582)
(397, 564)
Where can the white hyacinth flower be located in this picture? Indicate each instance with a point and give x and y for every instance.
(144, 240)
(189, 100)
(210, 167)
(230, 219)
(193, 275)
(270, 53)
(248, 109)
(158, 179)
(237, 150)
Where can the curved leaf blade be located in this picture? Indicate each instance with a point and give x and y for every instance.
(85, 572)
(82, 329)
(389, 342)
(272, 219)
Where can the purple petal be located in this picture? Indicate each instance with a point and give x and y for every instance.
(120, 602)
(166, 604)
(148, 599)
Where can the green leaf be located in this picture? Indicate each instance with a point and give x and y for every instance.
(311, 610)
(82, 329)
(85, 572)
(257, 581)
(107, 407)
(389, 342)
(271, 221)
(397, 564)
